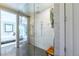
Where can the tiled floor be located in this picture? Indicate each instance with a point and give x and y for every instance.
(24, 50)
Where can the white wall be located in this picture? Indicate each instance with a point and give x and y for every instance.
(32, 30)
(44, 34)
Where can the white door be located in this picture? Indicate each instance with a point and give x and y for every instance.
(72, 29)
(76, 29)
(69, 29)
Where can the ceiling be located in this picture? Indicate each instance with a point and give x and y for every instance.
(29, 8)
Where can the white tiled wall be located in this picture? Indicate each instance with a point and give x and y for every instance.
(44, 33)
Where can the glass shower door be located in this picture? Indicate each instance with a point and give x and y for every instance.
(23, 36)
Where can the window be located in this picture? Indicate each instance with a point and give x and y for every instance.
(8, 26)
